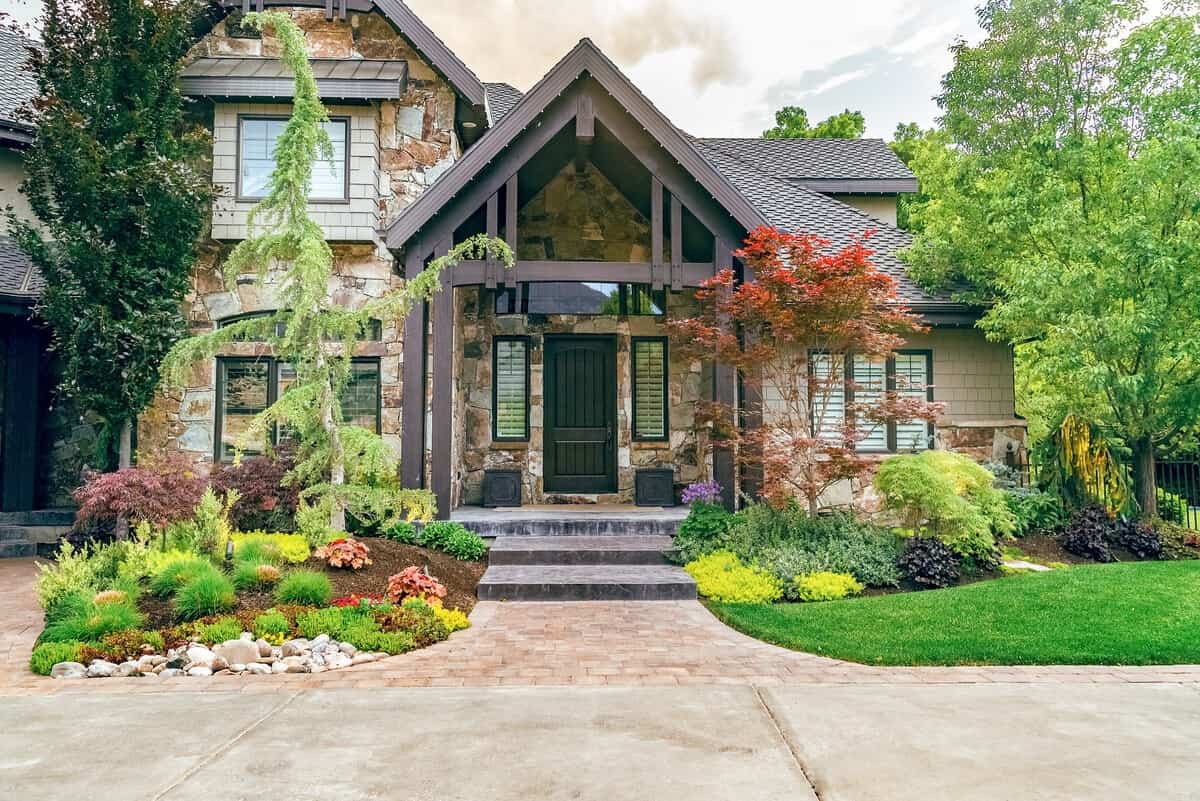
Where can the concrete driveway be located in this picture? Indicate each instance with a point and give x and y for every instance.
(834, 743)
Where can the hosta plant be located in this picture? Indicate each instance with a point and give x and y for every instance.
(345, 552)
(413, 582)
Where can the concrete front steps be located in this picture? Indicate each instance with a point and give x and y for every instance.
(583, 568)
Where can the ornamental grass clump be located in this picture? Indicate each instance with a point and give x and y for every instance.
(207, 594)
(89, 622)
(292, 548)
(306, 587)
(249, 576)
(826, 586)
(722, 577)
(174, 575)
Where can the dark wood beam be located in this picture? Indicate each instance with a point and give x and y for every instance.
(724, 392)
(656, 233)
(443, 390)
(676, 243)
(510, 225)
(412, 413)
(585, 131)
(493, 229)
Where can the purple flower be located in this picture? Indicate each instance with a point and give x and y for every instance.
(702, 492)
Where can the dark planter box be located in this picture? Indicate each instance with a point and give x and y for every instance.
(501, 488)
(654, 487)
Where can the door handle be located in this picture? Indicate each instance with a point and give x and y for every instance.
(608, 434)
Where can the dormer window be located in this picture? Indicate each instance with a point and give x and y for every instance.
(257, 137)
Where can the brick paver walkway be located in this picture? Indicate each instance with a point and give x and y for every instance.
(620, 643)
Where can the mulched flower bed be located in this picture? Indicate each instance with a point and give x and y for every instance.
(387, 559)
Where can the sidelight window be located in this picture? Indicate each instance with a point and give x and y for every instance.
(649, 364)
(510, 395)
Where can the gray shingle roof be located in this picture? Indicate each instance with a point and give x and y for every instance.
(501, 98)
(18, 277)
(17, 86)
(792, 207)
(803, 160)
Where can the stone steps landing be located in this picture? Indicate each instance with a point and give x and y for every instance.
(15, 543)
(583, 568)
(571, 521)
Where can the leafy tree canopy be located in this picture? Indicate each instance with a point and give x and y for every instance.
(791, 122)
(119, 194)
(1071, 200)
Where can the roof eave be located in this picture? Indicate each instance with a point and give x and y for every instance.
(859, 186)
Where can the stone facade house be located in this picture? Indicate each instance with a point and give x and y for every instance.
(551, 382)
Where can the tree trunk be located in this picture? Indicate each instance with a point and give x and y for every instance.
(124, 460)
(337, 458)
(1145, 488)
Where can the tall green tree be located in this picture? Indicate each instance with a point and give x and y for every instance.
(1071, 201)
(791, 122)
(120, 197)
(911, 142)
(341, 467)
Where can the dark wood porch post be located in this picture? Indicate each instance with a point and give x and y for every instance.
(492, 267)
(510, 227)
(656, 233)
(443, 388)
(724, 392)
(412, 430)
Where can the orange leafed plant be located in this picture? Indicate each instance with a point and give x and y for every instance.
(345, 552)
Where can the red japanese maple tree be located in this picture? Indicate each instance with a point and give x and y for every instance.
(805, 300)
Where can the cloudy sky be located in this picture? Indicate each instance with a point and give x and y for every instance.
(718, 67)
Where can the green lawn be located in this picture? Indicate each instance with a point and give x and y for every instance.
(1124, 614)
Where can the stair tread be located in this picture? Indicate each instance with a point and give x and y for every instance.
(582, 543)
(585, 574)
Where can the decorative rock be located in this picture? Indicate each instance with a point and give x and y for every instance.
(237, 668)
(100, 669)
(170, 673)
(258, 669)
(68, 670)
(264, 647)
(294, 647)
(220, 664)
(126, 669)
(279, 667)
(295, 664)
(200, 670)
(176, 662)
(337, 660)
(199, 656)
(362, 659)
(149, 662)
(347, 649)
(321, 639)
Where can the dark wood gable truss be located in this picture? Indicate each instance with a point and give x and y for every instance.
(586, 89)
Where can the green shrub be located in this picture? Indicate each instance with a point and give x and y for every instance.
(417, 618)
(1171, 507)
(173, 575)
(464, 545)
(1034, 511)
(701, 532)
(402, 532)
(73, 604)
(723, 577)
(1177, 542)
(89, 622)
(366, 638)
(835, 543)
(305, 587)
(826, 586)
(72, 572)
(259, 552)
(272, 623)
(947, 496)
(437, 533)
(120, 646)
(249, 575)
(49, 654)
(220, 630)
(206, 594)
(329, 621)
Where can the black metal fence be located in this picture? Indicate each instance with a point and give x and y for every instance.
(1178, 486)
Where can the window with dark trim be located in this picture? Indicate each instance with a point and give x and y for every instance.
(256, 142)
(510, 389)
(865, 380)
(247, 386)
(372, 331)
(649, 368)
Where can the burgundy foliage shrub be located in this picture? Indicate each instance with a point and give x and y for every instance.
(264, 503)
(159, 491)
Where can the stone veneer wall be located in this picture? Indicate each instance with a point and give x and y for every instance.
(415, 141)
(478, 323)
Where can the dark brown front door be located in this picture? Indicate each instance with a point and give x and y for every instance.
(581, 414)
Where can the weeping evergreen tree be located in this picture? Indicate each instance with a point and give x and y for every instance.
(342, 467)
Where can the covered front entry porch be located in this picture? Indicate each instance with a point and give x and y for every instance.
(558, 369)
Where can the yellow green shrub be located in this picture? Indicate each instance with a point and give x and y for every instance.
(453, 619)
(826, 586)
(292, 547)
(723, 577)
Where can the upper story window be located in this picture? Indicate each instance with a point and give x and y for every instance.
(257, 137)
(578, 297)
